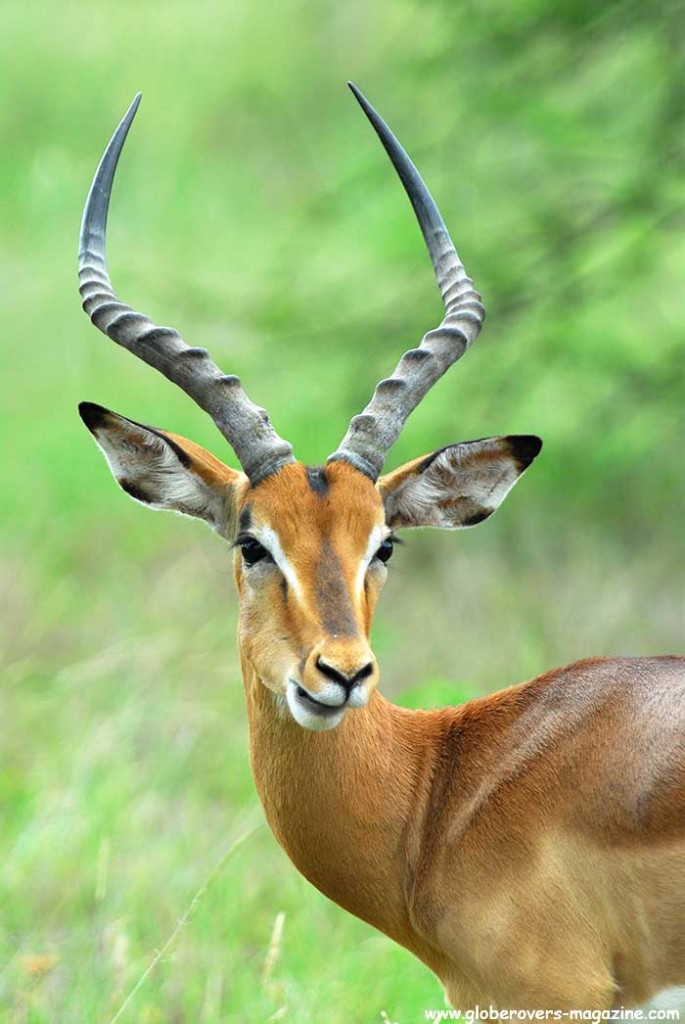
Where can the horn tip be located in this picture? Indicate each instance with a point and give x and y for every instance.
(359, 96)
(133, 109)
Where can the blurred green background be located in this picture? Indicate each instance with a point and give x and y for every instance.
(255, 211)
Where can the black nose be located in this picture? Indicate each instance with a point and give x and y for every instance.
(347, 681)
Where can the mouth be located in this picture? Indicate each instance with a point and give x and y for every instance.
(311, 713)
(312, 702)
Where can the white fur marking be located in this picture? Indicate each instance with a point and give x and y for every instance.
(310, 719)
(375, 538)
(269, 539)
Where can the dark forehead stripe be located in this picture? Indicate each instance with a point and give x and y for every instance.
(318, 481)
(332, 596)
(245, 520)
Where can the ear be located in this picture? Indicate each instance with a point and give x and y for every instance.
(456, 486)
(165, 470)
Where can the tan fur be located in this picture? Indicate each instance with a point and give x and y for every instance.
(529, 847)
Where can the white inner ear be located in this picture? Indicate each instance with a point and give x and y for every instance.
(150, 471)
(463, 485)
(416, 498)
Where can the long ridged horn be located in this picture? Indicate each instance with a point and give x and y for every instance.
(245, 426)
(372, 433)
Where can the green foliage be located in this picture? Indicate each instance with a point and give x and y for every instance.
(255, 211)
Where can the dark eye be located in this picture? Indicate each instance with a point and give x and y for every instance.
(252, 551)
(386, 549)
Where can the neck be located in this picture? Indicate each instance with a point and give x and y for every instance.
(347, 805)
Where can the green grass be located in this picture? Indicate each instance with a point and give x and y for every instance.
(255, 211)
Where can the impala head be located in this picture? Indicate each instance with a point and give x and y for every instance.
(311, 543)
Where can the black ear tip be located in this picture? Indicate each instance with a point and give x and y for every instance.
(92, 415)
(525, 448)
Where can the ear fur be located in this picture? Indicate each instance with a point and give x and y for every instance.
(164, 470)
(457, 486)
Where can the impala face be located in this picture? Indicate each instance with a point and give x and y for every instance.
(311, 552)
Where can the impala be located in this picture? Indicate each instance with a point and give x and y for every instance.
(529, 846)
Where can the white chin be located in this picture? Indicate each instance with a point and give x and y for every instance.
(317, 719)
